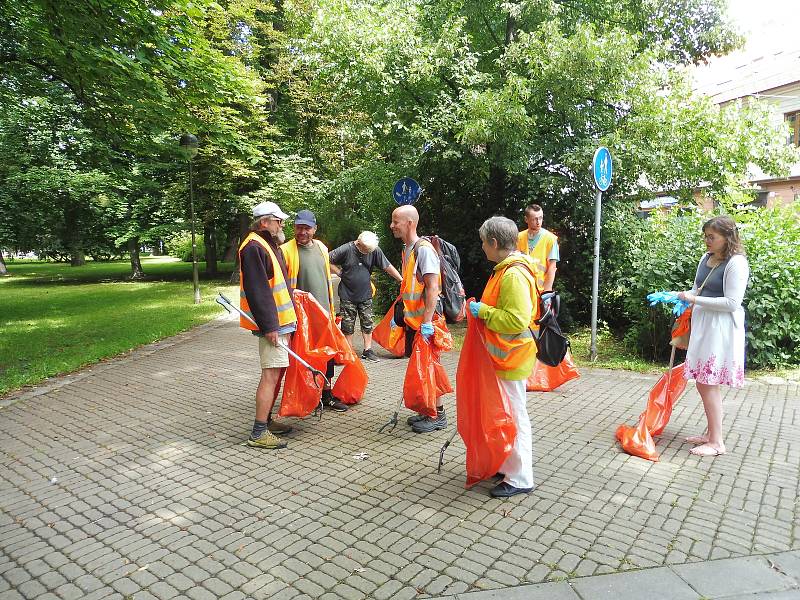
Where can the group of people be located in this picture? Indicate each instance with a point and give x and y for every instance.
(525, 267)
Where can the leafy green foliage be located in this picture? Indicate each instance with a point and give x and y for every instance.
(662, 252)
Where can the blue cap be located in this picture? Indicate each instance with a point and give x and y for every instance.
(306, 217)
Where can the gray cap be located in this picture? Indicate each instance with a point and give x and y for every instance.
(266, 209)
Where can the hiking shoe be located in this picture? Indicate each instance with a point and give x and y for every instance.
(415, 419)
(266, 440)
(428, 424)
(506, 490)
(278, 428)
(331, 402)
(370, 355)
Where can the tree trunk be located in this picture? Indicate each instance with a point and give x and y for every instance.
(74, 242)
(136, 264)
(210, 240)
(242, 225)
(497, 185)
(77, 257)
(3, 268)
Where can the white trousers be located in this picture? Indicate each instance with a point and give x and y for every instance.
(518, 467)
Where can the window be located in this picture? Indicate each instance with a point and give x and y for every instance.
(793, 119)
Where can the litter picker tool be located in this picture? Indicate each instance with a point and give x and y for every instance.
(393, 420)
(225, 303)
(441, 452)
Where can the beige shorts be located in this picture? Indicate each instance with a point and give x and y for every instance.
(273, 357)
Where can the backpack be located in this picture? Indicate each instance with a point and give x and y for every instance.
(452, 296)
(551, 345)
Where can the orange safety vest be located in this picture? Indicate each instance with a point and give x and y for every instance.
(539, 254)
(280, 291)
(508, 351)
(412, 290)
(292, 257)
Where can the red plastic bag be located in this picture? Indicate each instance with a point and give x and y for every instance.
(484, 414)
(638, 440)
(391, 338)
(545, 378)
(318, 340)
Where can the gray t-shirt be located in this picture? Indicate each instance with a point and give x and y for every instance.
(427, 260)
(356, 269)
(312, 276)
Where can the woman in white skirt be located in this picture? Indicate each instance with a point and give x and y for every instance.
(715, 355)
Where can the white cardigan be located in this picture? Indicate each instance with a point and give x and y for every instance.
(734, 284)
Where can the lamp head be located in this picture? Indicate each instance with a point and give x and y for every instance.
(189, 144)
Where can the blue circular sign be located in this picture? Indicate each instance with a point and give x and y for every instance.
(406, 191)
(602, 168)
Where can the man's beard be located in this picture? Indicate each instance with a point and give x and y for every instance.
(280, 237)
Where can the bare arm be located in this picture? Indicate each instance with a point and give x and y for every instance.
(431, 292)
(550, 275)
(335, 269)
(394, 273)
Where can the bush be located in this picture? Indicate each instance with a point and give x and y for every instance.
(180, 246)
(661, 253)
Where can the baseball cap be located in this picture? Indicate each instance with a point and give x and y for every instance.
(306, 217)
(266, 209)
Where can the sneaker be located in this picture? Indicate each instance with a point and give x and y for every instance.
(331, 402)
(278, 428)
(506, 490)
(369, 354)
(428, 424)
(415, 419)
(267, 440)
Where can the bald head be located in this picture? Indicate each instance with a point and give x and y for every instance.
(404, 223)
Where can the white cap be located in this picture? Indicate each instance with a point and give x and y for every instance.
(266, 209)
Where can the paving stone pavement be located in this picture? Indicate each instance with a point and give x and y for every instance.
(131, 480)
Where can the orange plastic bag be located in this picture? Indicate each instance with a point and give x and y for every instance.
(351, 382)
(391, 338)
(318, 340)
(545, 378)
(426, 378)
(484, 415)
(638, 440)
(682, 329)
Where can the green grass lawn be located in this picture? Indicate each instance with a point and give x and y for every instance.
(56, 318)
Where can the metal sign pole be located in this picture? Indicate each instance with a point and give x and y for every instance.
(602, 170)
(595, 274)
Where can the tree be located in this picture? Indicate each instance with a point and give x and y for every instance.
(509, 101)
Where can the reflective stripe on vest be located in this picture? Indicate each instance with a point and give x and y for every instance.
(508, 350)
(277, 284)
(412, 290)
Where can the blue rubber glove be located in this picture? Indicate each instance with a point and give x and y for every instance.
(392, 324)
(669, 298)
(426, 330)
(474, 308)
(665, 297)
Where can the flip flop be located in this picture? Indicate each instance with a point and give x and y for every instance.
(706, 450)
(697, 439)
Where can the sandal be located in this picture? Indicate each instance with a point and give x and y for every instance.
(707, 450)
(697, 439)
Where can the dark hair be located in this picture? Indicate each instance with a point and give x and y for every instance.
(726, 227)
(533, 208)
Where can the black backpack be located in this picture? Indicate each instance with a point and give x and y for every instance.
(454, 300)
(551, 345)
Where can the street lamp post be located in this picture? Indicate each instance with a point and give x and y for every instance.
(189, 145)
